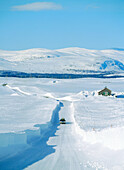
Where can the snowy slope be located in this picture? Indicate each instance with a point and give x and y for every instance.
(67, 60)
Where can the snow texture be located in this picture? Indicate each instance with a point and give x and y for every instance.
(32, 138)
(67, 60)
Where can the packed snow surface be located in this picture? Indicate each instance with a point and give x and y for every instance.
(67, 60)
(32, 138)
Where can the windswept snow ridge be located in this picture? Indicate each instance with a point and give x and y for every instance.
(18, 90)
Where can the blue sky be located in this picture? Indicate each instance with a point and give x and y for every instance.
(92, 24)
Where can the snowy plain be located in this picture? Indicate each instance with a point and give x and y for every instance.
(32, 138)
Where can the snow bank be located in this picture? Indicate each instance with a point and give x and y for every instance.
(30, 146)
(112, 137)
(23, 105)
(18, 90)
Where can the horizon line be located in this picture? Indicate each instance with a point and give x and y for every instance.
(112, 48)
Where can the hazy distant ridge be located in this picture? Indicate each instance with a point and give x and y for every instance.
(68, 60)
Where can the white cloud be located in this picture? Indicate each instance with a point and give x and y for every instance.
(37, 6)
(92, 6)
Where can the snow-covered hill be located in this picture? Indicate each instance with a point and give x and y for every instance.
(67, 60)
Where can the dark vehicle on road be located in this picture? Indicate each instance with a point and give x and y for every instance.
(62, 121)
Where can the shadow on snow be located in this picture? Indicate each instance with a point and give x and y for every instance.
(36, 148)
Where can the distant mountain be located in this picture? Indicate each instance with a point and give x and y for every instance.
(68, 60)
(118, 49)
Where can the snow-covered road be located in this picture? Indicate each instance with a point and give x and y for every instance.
(68, 154)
